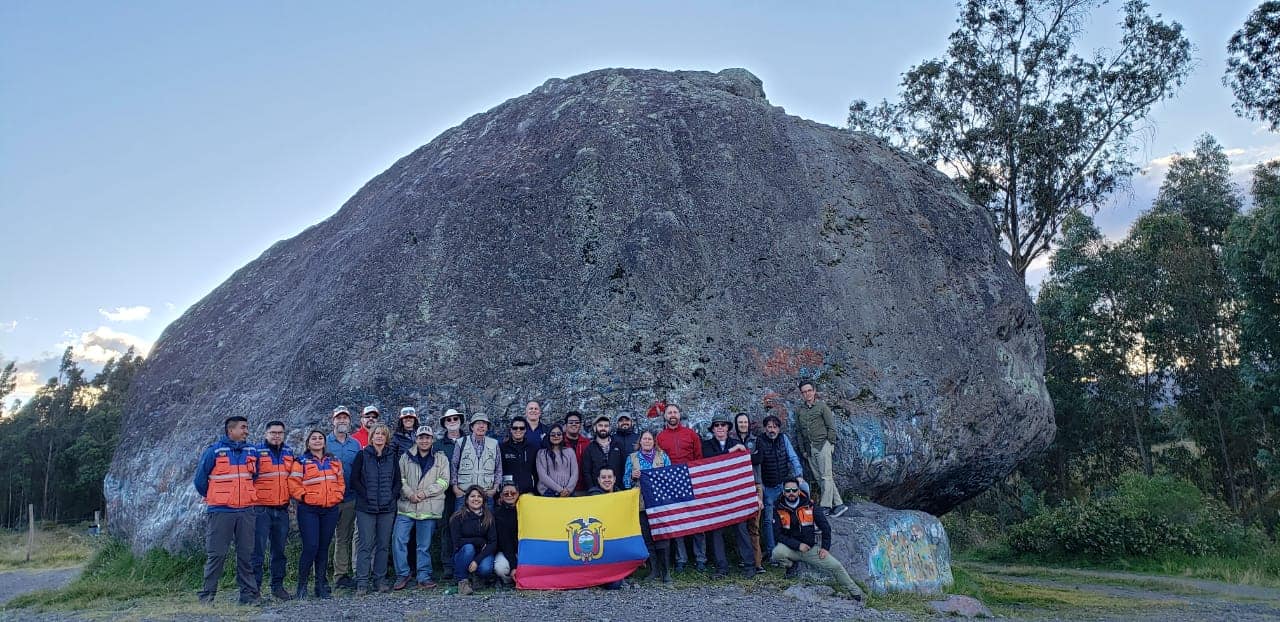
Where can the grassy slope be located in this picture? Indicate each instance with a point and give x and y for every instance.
(58, 547)
(1262, 568)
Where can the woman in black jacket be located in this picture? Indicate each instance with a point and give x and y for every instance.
(474, 534)
(375, 476)
(504, 512)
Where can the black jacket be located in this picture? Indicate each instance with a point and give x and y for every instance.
(467, 529)
(628, 441)
(376, 480)
(595, 459)
(519, 463)
(401, 442)
(711, 447)
(793, 527)
(775, 464)
(508, 528)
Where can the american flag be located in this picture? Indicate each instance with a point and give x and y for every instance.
(705, 494)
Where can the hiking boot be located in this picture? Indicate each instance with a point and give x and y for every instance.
(346, 583)
(701, 566)
(838, 510)
(383, 587)
(464, 588)
(250, 601)
(362, 591)
(206, 598)
(426, 585)
(793, 571)
(401, 583)
(280, 594)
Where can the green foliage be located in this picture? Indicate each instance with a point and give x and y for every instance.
(1034, 129)
(1253, 65)
(59, 445)
(1146, 517)
(115, 579)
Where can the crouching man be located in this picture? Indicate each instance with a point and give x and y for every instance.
(795, 526)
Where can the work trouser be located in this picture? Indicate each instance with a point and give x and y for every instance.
(342, 539)
(315, 527)
(222, 530)
(830, 565)
(753, 531)
(699, 549)
(271, 527)
(826, 479)
(374, 537)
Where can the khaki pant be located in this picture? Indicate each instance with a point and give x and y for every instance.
(822, 466)
(753, 532)
(342, 539)
(830, 565)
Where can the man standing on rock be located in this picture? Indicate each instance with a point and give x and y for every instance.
(271, 520)
(682, 445)
(818, 428)
(225, 478)
(796, 522)
(345, 448)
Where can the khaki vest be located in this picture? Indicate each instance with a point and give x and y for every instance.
(477, 470)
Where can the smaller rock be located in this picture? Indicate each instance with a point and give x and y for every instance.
(964, 606)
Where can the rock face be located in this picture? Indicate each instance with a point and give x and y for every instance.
(888, 550)
(606, 240)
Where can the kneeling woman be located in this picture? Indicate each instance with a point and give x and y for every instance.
(475, 540)
(316, 482)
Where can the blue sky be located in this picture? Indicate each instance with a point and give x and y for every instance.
(148, 150)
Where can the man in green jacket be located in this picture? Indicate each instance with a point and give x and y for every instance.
(818, 427)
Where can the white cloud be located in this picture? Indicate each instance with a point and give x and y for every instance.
(103, 344)
(8, 327)
(126, 314)
(169, 306)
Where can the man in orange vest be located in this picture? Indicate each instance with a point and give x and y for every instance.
(271, 520)
(225, 478)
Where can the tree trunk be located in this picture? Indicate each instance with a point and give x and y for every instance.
(1226, 459)
(48, 470)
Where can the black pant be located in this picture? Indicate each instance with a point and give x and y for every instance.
(223, 528)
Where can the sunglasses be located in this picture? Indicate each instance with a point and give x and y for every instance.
(790, 490)
(518, 428)
(555, 434)
(453, 418)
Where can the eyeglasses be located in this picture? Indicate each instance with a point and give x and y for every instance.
(573, 423)
(518, 428)
(790, 490)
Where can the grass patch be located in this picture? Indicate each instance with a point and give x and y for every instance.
(1011, 598)
(56, 547)
(1261, 567)
(115, 579)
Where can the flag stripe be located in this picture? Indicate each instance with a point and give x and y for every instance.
(552, 553)
(723, 493)
(539, 577)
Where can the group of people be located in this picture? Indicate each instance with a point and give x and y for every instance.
(383, 490)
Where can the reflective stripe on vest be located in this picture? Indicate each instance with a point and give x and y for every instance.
(231, 481)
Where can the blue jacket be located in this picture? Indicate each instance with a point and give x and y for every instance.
(346, 452)
(238, 452)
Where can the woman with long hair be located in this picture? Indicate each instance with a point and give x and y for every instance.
(648, 456)
(316, 482)
(475, 540)
(376, 479)
(557, 465)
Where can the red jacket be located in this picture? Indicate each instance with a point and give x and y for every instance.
(362, 437)
(580, 450)
(682, 445)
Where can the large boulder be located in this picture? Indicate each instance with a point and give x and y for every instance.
(603, 241)
(888, 550)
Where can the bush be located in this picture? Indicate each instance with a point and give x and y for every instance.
(1146, 516)
(970, 530)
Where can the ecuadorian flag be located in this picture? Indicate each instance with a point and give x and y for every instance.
(574, 542)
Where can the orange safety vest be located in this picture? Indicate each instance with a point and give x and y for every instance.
(231, 480)
(317, 482)
(273, 477)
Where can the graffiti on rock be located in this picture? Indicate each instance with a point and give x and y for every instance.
(786, 362)
(907, 558)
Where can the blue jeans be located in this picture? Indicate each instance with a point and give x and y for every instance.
(424, 528)
(464, 557)
(315, 525)
(771, 494)
(270, 524)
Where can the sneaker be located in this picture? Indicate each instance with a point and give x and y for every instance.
(362, 591)
(701, 566)
(720, 573)
(757, 570)
(426, 585)
(206, 598)
(280, 594)
(838, 510)
(401, 583)
(250, 601)
(324, 595)
(384, 588)
(792, 572)
(346, 583)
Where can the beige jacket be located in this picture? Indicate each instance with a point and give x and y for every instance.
(434, 482)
